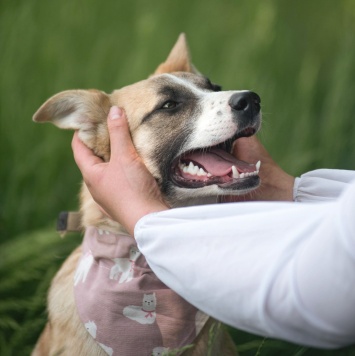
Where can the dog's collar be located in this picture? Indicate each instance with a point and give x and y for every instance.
(122, 303)
(69, 221)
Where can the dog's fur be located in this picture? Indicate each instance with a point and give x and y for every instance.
(174, 111)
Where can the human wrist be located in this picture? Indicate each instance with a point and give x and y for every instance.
(289, 185)
(133, 218)
(277, 186)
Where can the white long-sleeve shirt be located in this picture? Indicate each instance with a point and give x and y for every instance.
(278, 269)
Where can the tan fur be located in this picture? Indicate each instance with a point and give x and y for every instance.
(64, 333)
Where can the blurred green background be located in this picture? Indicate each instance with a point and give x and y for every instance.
(299, 56)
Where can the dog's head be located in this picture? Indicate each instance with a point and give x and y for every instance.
(182, 125)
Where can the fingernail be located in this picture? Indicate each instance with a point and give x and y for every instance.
(115, 113)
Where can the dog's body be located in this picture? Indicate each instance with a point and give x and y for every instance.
(183, 127)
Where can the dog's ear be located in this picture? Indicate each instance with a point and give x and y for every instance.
(74, 109)
(82, 110)
(179, 59)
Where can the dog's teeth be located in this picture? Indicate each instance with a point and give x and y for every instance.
(209, 175)
(193, 170)
(258, 164)
(190, 168)
(242, 175)
(201, 172)
(235, 172)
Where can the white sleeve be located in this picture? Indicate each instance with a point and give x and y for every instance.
(282, 270)
(321, 185)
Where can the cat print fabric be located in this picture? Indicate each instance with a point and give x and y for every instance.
(145, 313)
(123, 305)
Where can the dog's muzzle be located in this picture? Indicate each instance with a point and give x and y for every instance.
(216, 165)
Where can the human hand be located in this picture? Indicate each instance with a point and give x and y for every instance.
(276, 184)
(122, 187)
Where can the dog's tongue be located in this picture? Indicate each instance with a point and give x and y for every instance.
(218, 162)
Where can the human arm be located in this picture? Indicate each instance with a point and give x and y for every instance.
(321, 185)
(278, 185)
(281, 270)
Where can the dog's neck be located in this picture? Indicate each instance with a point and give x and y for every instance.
(196, 201)
(91, 215)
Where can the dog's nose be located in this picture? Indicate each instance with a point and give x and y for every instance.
(246, 103)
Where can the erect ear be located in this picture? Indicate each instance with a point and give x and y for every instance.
(179, 59)
(82, 110)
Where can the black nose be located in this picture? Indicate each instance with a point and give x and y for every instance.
(246, 103)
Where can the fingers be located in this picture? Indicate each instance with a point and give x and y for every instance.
(120, 137)
(120, 140)
(250, 149)
(245, 148)
(83, 156)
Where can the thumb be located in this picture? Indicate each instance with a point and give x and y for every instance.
(249, 149)
(120, 137)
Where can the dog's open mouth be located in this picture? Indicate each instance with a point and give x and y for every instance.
(216, 165)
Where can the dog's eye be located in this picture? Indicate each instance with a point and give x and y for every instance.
(170, 104)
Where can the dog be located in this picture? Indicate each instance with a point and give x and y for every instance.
(183, 126)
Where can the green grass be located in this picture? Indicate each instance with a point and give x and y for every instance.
(299, 56)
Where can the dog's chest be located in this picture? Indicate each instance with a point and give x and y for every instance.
(122, 303)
